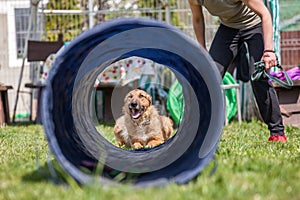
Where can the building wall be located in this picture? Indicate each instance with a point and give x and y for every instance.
(10, 65)
(10, 76)
(3, 42)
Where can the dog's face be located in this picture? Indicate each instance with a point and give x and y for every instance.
(137, 102)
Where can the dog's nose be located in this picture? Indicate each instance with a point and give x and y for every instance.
(133, 104)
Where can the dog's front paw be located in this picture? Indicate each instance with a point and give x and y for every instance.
(137, 145)
(120, 143)
(154, 143)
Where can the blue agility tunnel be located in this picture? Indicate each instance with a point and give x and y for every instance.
(67, 97)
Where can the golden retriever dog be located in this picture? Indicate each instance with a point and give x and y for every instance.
(141, 125)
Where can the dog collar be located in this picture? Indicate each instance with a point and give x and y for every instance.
(144, 123)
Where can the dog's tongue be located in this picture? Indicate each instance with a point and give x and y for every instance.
(135, 113)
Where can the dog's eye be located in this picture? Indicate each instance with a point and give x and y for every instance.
(141, 96)
(130, 96)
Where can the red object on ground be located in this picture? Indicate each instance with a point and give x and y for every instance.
(277, 138)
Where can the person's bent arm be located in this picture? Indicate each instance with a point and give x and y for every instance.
(198, 22)
(259, 8)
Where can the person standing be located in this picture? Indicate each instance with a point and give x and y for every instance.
(250, 22)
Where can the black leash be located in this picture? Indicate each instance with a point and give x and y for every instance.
(260, 70)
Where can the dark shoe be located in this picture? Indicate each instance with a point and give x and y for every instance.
(277, 138)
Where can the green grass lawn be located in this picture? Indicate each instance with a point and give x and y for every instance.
(248, 167)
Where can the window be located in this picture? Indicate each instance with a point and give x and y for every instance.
(22, 21)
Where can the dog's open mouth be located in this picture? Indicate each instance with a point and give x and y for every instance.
(136, 111)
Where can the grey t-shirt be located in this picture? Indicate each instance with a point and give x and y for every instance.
(232, 13)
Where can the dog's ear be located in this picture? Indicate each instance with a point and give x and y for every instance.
(148, 96)
(127, 96)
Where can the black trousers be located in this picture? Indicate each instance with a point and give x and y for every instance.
(224, 50)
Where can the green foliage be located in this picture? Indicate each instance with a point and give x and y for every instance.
(248, 167)
(154, 4)
(161, 7)
(70, 25)
(287, 10)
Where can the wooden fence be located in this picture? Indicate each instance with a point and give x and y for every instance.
(290, 49)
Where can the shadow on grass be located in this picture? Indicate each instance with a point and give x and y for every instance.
(23, 123)
(55, 175)
(44, 174)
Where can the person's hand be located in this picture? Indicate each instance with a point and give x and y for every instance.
(269, 57)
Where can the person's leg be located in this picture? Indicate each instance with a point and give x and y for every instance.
(224, 47)
(264, 91)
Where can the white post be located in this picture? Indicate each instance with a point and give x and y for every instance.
(168, 12)
(91, 14)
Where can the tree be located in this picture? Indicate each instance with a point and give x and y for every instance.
(162, 8)
(70, 25)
